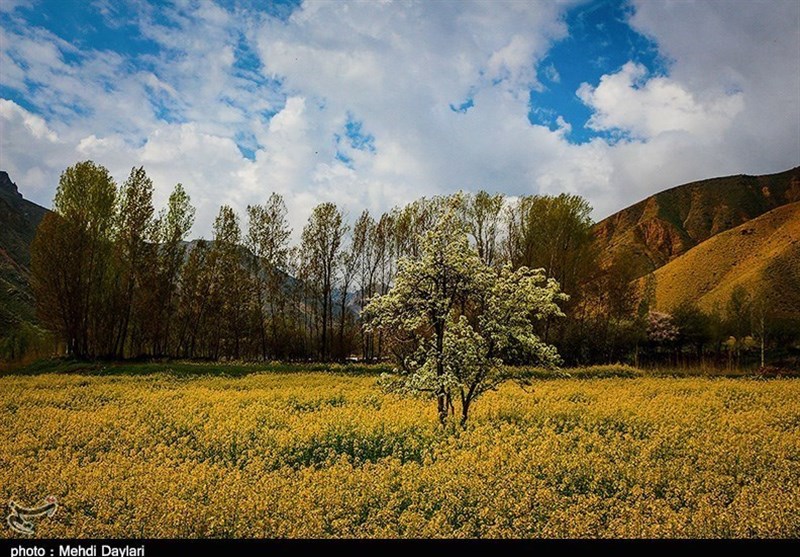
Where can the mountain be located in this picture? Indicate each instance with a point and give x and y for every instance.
(763, 253)
(18, 221)
(666, 225)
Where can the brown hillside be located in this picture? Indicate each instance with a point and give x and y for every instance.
(762, 253)
(660, 228)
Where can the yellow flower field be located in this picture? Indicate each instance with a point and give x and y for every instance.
(317, 455)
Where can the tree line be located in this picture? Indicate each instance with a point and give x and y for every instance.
(115, 278)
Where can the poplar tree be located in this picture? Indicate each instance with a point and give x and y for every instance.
(268, 242)
(321, 243)
(71, 258)
(134, 230)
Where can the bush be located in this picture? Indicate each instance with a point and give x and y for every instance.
(588, 372)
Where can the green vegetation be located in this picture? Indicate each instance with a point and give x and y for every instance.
(20, 333)
(137, 290)
(179, 368)
(185, 368)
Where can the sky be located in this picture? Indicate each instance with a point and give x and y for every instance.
(374, 104)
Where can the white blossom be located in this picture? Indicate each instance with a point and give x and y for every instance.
(451, 318)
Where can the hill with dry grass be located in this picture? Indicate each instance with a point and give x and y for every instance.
(668, 224)
(762, 254)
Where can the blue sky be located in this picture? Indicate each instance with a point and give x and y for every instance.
(600, 42)
(371, 105)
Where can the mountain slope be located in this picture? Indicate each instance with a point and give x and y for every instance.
(763, 253)
(665, 225)
(18, 221)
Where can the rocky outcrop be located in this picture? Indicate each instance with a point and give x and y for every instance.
(7, 187)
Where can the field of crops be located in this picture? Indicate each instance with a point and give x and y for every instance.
(315, 455)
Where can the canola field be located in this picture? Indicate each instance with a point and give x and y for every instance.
(331, 455)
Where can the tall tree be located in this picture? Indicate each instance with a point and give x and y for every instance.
(56, 282)
(231, 285)
(172, 227)
(321, 242)
(195, 301)
(364, 240)
(268, 241)
(71, 257)
(553, 233)
(412, 221)
(387, 245)
(483, 218)
(739, 319)
(134, 230)
(348, 264)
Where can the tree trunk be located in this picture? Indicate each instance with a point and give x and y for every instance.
(343, 354)
(464, 413)
(442, 395)
(324, 324)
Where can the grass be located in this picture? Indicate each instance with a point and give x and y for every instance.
(267, 453)
(187, 368)
(585, 372)
(179, 368)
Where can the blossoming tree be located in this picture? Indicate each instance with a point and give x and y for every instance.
(451, 318)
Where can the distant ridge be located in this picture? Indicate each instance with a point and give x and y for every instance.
(666, 225)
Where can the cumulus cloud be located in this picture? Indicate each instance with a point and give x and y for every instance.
(232, 132)
(645, 108)
(31, 151)
(752, 53)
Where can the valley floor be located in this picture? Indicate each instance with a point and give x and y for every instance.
(314, 454)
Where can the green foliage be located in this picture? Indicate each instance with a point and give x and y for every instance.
(588, 372)
(181, 368)
(320, 249)
(71, 259)
(483, 219)
(24, 341)
(178, 219)
(86, 197)
(113, 278)
(230, 284)
(268, 243)
(553, 233)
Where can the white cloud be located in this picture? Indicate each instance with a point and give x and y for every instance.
(629, 101)
(729, 104)
(11, 5)
(750, 49)
(35, 125)
(31, 152)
